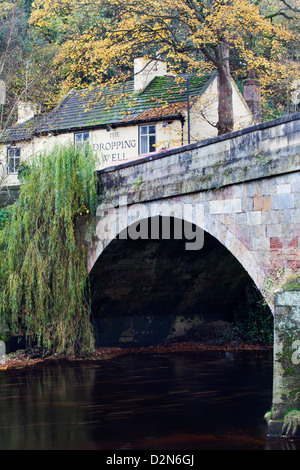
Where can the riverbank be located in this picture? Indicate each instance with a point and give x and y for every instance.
(212, 336)
(26, 358)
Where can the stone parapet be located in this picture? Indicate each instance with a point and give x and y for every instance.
(254, 153)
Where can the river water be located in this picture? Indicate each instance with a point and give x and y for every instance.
(198, 401)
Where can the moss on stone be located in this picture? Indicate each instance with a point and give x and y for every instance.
(293, 284)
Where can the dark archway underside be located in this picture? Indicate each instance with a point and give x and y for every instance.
(145, 291)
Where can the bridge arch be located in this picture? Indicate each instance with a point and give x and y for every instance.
(133, 221)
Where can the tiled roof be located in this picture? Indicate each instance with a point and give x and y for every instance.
(111, 105)
(22, 131)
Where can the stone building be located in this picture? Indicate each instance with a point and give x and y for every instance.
(124, 122)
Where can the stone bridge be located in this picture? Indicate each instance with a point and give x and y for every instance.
(243, 189)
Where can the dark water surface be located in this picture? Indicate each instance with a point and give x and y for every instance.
(199, 401)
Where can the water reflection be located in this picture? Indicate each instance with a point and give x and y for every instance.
(197, 401)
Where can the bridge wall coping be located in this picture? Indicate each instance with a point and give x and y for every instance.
(205, 142)
(261, 151)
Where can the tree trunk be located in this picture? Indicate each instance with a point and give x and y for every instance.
(225, 107)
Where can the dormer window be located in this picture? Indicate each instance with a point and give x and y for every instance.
(13, 160)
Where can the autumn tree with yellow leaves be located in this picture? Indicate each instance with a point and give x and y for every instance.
(99, 40)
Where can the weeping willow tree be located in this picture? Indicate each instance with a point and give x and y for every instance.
(43, 277)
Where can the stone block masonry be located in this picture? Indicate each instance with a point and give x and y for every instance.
(247, 183)
(286, 381)
(246, 186)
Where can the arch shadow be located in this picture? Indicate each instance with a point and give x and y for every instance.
(147, 282)
(115, 222)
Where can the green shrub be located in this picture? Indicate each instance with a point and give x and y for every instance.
(5, 216)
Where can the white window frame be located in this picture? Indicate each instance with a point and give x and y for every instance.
(81, 139)
(14, 155)
(145, 137)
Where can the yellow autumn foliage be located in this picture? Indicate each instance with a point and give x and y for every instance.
(99, 40)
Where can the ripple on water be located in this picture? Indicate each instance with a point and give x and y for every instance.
(196, 401)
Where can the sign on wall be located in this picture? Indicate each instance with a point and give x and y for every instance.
(117, 147)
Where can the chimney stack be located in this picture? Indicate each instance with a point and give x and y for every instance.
(145, 70)
(252, 95)
(27, 110)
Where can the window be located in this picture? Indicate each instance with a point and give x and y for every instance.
(147, 139)
(81, 140)
(13, 160)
